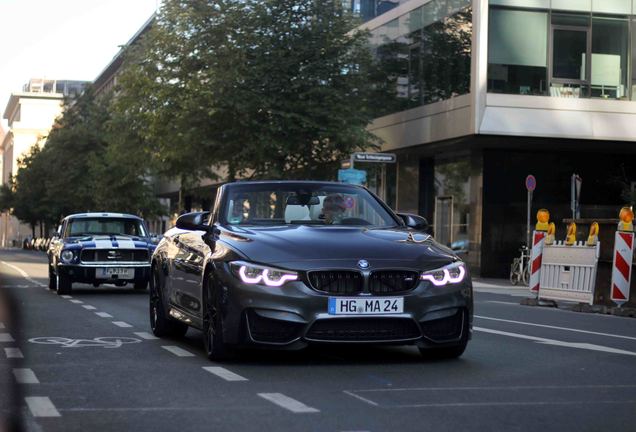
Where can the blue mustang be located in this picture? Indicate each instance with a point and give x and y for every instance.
(98, 248)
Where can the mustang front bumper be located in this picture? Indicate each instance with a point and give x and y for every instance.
(86, 273)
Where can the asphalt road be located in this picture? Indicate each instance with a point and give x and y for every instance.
(88, 362)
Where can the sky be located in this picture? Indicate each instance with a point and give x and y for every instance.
(63, 39)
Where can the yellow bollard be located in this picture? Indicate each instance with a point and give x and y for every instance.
(592, 239)
(571, 236)
(626, 217)
(543, 216)
(549, 238)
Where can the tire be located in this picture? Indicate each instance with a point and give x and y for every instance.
(525, 275)
(140, 286)
(449, 352)
(52, 279)
(514, 272)
(215, 348)
(63, 284)
(161, 324)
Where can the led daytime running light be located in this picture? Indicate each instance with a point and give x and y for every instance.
(447, 277)
(264, 277)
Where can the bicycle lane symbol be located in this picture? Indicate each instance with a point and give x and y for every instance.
(104, 342)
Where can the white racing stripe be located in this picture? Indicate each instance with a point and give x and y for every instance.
(41, 406)
(577, 345)
(89, 307)
(288, 403)
(224, 373)
(103, 244)
(179, 352)
(103, 314)
(25, 376)
(556, 328)
(13, 353)
(125, 243)
(6, 337)
(24, 274)
(146, 335)
(121, 324)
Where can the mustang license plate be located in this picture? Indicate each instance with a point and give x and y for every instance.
(110, 272)
(365, 306)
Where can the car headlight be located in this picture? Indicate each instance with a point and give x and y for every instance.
(450, 274)
(67, 256)
(254, 274)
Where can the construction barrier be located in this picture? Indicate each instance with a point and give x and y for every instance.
(536, 256)
(622, 266)
(568, 272)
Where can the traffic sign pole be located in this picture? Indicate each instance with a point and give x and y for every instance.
(531, 184)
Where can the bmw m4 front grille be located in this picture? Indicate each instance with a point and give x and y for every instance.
(392, 281)
(350, 282)
(342, 282)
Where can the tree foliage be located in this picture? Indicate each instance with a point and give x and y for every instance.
(263, 88)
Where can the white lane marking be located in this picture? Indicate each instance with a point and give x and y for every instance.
(103, 314)
(508, 404)
(288, 403)
(13, 353)
(24, 274)
(121, 324)
(499, 388)
(25, 376)
(555, 327)
(146, 335)
(224, 373)
(89, 307)
(370, 402)
(76, 301)
(66, 297)
(41, 406)
(179, 352)
(6, 337)
(586, 346)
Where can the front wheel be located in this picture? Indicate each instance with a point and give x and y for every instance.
(515, 272)
(160, 324)
(215, 347)
(63, 284)
(52, 279)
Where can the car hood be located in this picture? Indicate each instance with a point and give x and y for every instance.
(307, 247)
(108, 242)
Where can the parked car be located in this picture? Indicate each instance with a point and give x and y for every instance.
(286, 264)
(98, 248)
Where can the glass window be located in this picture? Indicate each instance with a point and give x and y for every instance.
(104, 226)
(452, 204)
(622, 7)
(531, 4)
(517, 51)
(572, 5)
(568, 54)
(609, 57)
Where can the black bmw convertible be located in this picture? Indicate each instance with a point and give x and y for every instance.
(284, 264)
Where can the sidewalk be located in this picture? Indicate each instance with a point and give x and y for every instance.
(500, 286)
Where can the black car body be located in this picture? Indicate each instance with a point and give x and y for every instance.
(270, 266)
(99, 248)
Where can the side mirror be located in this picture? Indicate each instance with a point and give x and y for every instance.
(415, 222)
(154, 238)
(194, 221)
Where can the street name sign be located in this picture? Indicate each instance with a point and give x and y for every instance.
(375, 157)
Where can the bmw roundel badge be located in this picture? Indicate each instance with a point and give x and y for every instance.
(363, 264)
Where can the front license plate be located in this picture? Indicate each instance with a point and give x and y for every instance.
(109, 272)
(365, 306)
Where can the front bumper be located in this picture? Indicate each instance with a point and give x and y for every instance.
(295, 315)
(86, 273)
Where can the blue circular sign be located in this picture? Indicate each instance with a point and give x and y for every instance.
(531, 182)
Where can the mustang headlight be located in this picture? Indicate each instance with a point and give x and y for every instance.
(256, 274)
(67, 256)
(450, 274)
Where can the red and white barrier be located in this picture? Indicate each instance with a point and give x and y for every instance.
(538, 239)
(622, 267)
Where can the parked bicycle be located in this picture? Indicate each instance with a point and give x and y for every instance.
(520, 267)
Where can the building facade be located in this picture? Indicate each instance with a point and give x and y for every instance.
(486, 92)
(30, 114)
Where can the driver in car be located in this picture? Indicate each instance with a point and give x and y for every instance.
(333, 209)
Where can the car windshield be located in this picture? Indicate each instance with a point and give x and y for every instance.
(105, 226)
(303, 203)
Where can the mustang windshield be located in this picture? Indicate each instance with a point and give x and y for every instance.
(305, 204)
(105, 226)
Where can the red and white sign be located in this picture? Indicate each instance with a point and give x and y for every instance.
(538, 239)
(622, 267)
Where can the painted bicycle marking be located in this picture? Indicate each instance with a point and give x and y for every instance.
(104, 342)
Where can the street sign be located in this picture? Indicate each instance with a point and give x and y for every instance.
(352, 176)
(531, 183)
(375, 157)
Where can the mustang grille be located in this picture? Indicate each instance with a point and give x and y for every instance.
(337, 281)
(114, 255)
(364, 329)
(392, 281)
